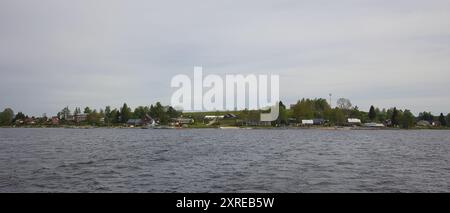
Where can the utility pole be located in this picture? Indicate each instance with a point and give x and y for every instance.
(330, 99)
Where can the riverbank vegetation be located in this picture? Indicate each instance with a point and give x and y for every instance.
(304, 109)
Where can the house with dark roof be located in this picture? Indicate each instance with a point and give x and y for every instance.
(146, 120)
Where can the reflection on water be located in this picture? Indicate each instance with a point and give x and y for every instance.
(208, 160)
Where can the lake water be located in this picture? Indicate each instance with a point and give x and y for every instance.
(212, 160)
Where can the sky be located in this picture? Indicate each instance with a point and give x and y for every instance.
(77, 53)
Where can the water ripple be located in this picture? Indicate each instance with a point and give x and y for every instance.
(206, 160)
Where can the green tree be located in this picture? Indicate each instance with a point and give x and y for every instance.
(355, 113)
(108, 115)
(93, 118)
(320, 106)
(282, 116)
(87, 110)
(6, 117)
(77, 111)
(125, 113)
(372, 113)
(249, 115)
(442, 120)
(20, 116)
(407, 120)
(381, 115)
(65, 113)
(244, 114)
(335, 116)
(388, 114)
(448, 119)
(140, 112)
(173, 113)
(101, 113)
(426, 116)
(395, 117)
(159, 112)
(115, 116)
(309, 109)
(304, 109)
(339, 116)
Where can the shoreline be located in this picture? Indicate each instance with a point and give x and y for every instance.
(332, 128)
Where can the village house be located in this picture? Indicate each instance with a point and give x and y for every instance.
(19, 121)
(30, 121)
(423, 123)
(77, 118)
(55, 120)
(226, 116)
(80, 118)
(354, 121)
(146, 120)
(316, 121)
(182, 121)
(307, 122)
(229, 116)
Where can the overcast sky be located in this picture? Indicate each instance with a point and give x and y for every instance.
(57, 53)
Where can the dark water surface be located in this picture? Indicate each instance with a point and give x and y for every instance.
(207, 160)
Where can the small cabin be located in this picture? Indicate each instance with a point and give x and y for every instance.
(317, 121)
(354, 121)
(307, 122)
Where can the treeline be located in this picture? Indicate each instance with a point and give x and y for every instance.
(304, 109)
(309, 109)
(107, 116)
(393, 117)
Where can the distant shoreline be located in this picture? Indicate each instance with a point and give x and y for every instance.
(336, 128)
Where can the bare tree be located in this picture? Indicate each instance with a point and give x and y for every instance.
(343, 103)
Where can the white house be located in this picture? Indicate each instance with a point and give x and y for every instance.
(308, 122)
(424, 123)
(354, 121)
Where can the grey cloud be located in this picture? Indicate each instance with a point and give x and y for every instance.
(55, 53)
